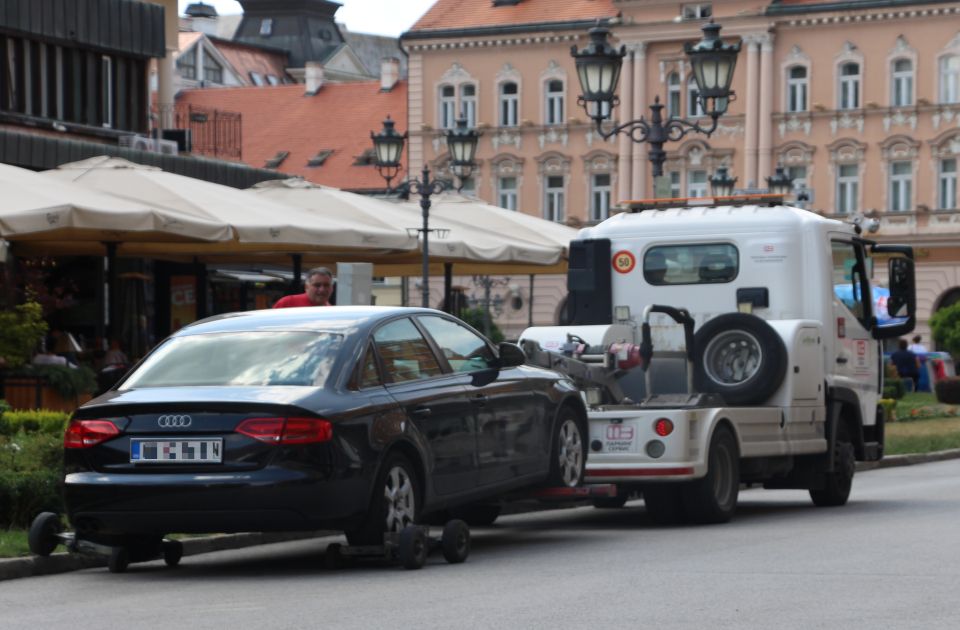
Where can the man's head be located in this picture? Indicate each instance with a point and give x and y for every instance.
(902, 344)
(916, 339)
(319, 285)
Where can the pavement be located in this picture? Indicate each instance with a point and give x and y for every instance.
(27, 566)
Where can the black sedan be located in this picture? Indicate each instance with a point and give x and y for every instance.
(362, 419)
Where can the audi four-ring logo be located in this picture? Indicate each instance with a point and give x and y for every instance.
(172, 422)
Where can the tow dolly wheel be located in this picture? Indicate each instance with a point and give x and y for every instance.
(119, 560)
(42, 537)
(172, 552)
(412, 548)
(455, 541)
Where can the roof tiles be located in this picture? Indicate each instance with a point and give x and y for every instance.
(338, 118)
(469, 14)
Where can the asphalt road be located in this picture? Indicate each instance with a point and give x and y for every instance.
(889, 559)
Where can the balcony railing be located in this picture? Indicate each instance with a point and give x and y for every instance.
(214, 132)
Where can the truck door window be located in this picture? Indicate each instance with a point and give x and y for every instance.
(848, 278)
(704, 263)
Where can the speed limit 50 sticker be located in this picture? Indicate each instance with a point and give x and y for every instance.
(624, 261)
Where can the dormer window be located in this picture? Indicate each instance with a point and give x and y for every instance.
(505, 3)
(266, 27)
(696, 11)
(319, 158)
(276, 160)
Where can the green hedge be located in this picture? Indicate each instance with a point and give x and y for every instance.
(31, 465)
(893, 388)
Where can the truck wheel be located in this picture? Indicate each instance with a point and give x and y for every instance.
(739, 356)
(837, 484)
(394, 505)
(42, 537)
(713, 498)
(664, 503)
(569, 459)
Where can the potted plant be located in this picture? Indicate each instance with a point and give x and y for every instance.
(27, 386)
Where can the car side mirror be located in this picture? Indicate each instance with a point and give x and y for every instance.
(511, 355)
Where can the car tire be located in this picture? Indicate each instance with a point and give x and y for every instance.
(172, 552)
(394, 505)
(478, 514)
(568, 459)
(119, 560)
(837, 484)
(740, 357)
(42, 537)
(664, 503)
(713, 498)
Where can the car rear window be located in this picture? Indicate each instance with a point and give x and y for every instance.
(261, 358)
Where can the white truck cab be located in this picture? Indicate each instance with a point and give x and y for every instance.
(760, 344)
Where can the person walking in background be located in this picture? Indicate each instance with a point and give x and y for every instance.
(907, 363)
(916, 347)
(318, 288)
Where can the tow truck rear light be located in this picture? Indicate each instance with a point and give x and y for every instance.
(87, 433)
(663, 426)
(287, 430)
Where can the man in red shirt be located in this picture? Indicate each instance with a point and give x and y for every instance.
(318, 288)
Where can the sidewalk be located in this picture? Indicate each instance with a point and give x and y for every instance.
(12, 568)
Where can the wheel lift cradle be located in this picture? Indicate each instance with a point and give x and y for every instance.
(45, 536)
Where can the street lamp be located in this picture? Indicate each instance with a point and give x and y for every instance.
(721, 184)
(780, 183)
(598, 67)
(388, 148)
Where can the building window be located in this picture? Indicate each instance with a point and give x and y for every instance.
(849, 86)
(106, 70)
(902, 83)
(799, 176)
(272, 79)
(507, 192)
(212, 71)
(187, 64)
(947, 184)
(554, 102)
(553, 206)
(509, 104)
(256, 78)
(266, 27)
(848, 188)
(468, 104)
(448, 107)
(901, 184)
(675, 184)
(696, 183)
(694, 107)
(797, 89)
(600, 196)
(468, 187)
(673, 96)
(696, 11)
(950, 79)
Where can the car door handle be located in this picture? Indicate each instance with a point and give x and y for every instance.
(841, 360)
(479, 400)
(421, 412)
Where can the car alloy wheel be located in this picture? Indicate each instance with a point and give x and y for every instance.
(400, 498)
(570, 456)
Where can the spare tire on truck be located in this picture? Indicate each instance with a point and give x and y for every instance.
(740, 357)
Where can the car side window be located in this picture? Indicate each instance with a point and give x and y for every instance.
(406, 354)
(464, 350)
(369, 372)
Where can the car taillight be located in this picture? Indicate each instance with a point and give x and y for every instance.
(287, 430)
(87, 433)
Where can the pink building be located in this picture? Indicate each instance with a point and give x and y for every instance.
(858, 100)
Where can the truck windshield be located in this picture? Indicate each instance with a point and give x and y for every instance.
(703, 263)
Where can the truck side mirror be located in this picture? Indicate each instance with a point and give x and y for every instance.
(901, 302)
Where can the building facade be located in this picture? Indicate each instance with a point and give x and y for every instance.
(858, 100)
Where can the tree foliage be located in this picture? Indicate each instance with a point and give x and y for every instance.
(21, 329)
(945, 325)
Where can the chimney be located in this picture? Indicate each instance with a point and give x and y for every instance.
(313, 77)
(389, 73)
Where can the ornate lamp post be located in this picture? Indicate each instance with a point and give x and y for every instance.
(598, 67)
(780, 183)
(721, 184)
(388, 148)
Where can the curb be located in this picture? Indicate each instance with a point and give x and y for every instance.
(27, 566)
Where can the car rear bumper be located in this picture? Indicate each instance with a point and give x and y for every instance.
(265, 500)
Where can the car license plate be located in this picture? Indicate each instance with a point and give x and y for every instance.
(619, 438)
(194, 451)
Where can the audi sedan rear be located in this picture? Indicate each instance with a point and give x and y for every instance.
(361, 419)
